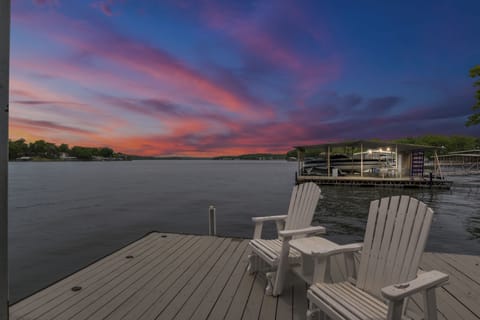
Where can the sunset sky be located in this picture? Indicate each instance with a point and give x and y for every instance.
(208, 77)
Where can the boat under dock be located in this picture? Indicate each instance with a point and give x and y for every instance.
(174, 276)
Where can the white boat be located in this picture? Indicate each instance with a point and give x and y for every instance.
(345, 164)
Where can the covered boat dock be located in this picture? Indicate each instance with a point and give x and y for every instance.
(370, 163)
(465, 162)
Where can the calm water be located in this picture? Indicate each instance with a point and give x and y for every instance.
(66, 215)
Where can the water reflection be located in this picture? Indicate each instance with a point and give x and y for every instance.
(456, 226)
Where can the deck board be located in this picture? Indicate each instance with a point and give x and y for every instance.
(219, 284)
(173, 276)
(222, 306)
(63, 287)
(101, 308)
(141, 296)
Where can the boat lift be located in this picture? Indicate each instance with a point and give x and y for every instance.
(408, 167)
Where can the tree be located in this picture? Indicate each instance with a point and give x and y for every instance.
(106, 152)
(64, 148)
(38, 148)
(17, 149)
(83, 153)
(475, 117)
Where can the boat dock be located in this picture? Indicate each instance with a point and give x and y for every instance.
(173, 276)
(370, 163)
(407, 182)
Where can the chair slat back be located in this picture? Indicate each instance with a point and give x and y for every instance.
(396, 234)
(302, 206)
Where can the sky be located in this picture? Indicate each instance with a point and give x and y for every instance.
(208, 77)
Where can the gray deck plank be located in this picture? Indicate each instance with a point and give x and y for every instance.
(187, 301)
(201, 277)
(186, 279)
(144, 291)
(166, 285)
(240, 299)
(299, 300)
(96, 294)
(58, 289)
(255, 299)
(223, 303)
(268, 309)
(215, 291)
(459, 286)
(453, 300)
(284, 305)
(121, 292)
(465, 264)
(92, 281)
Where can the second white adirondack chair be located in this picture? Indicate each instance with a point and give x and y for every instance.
(275, 256)
(395, 237)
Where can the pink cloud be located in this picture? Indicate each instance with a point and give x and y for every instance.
(252, 32)
(46, 125)
(197, 115)
(46, 2)
(154, 62)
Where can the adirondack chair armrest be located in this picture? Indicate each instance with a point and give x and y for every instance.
(279, 220)
(269, 218)
(305, 231)
(423, 281)
(332, 249)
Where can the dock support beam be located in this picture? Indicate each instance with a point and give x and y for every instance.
(361, 160)
(4, 100)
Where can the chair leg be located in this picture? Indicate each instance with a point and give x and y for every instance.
(252, 263)
(270, 285)
(395, 309)
(281, 274)
(430, 304)
(312, 312)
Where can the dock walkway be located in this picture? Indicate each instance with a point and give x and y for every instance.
(390, 182)
(172, 276)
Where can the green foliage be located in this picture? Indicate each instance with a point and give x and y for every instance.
(83, 153)
(474, 118)
(64, 148)
(41, 149)
(447, 143)
(105, 152)
(17, 149)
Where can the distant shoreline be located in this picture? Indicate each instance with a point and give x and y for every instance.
(144, 159)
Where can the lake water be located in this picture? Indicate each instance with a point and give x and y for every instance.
(64, 216)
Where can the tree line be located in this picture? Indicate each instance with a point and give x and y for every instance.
(42, 149)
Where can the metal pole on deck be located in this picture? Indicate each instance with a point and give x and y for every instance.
(328, 161)
(4, 99)
(361, 159)
(212, 221)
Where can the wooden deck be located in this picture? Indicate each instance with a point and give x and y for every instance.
(171, 276)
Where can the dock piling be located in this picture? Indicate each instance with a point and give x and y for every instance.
(212, 221)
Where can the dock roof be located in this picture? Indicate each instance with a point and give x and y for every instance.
(370, 144)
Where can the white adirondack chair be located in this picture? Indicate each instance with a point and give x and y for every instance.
(397, 230)
(276, 255)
